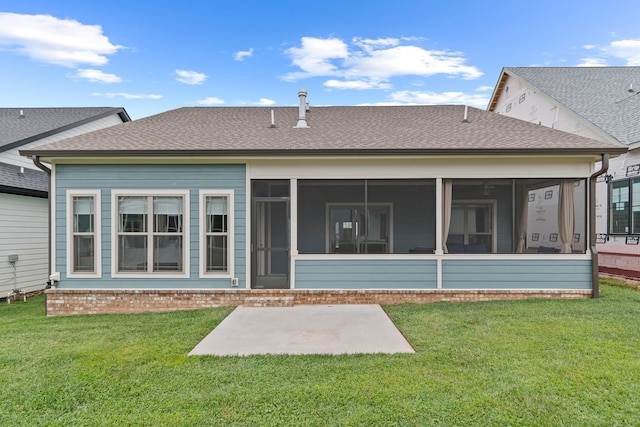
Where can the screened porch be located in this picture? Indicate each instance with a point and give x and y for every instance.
(479, 216)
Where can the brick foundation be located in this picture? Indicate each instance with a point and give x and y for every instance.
(92, 301)
(624, 265)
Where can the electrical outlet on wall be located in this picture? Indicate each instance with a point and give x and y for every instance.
(234, 282)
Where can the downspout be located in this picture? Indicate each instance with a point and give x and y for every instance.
(595, 285)
(39, 165)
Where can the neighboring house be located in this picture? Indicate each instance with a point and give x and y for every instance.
(208, 206)
(24, 260)
(600, 103)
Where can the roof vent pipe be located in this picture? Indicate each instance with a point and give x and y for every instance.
(302, 111)
(22, 114)
(465, 118)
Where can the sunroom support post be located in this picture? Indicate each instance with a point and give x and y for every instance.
(439, 216)
(439, 240)
(293, 231)
(595, 285)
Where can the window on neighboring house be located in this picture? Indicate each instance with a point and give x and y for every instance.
(151, 233)
(216, 235)
(624, 206)
(472, 227)
(84, 233)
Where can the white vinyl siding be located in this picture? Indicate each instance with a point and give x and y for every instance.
(23, 232)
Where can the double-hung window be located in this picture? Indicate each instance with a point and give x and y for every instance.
(354, 229)
(83, 241)
(624, 206)
(216, 233)
(151, 233)
(472, 226)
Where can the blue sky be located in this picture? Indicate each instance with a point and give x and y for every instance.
(153, 56)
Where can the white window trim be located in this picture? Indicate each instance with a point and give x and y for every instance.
(114, 235)
(97, 242)
(230, 233)
(330, 205)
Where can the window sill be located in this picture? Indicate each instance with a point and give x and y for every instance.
(84, 275)
(145, 275)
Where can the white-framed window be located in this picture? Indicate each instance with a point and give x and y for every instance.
(624, 206)
(150, 233)
(216, 233)
(472, 227)
(83, 236)
(352, 228)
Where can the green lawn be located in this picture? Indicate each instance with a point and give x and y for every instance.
(527, 363)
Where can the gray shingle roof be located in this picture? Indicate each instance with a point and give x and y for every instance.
(17, 180)
(36, 123)
(600, 95)
(337, 130)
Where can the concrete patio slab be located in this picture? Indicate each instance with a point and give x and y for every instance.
(304, 329)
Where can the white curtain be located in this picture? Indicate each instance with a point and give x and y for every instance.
(447, 185)
(132, 205)
(566, 215)
(522, 224)
(167, 205)
(83, 205)
(83, 214)
(216, 205)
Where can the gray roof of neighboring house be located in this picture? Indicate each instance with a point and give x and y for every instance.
(24, 181)
(608, 97)
(229, 131)
(19, 126)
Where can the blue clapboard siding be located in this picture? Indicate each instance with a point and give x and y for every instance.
(516, 274)
(152, 177)
(366, 274)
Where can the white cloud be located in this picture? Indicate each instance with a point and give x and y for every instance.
(592, 62)
(211, 100)
(239, 56)
(356, 84)
(97, 76)
(372, 44)
(629, 50)
(372, 63)
(265, 102)
(434, 98)
(128, 95)
(410, 60)
(315, 56)
(190, 77)
(51, 40)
